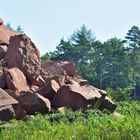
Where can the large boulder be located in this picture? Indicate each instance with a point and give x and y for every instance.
(80, 80)
(69, 67)
(6, 99)
(3, 50)
(49, 89)
(19, 111)
(6, 113)
(108, 104)
(6, 108)
(53, 70)
(74, 96)
(9, 107)
(33, 102)
(16, 80)
(23, 54)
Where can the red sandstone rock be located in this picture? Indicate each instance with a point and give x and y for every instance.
(53, 70)
(23, 54)
(49, 89)
(7, 32)
(16, 80)
(6, 109)
(19, 112)
(108, 104)
(30, 102)
(69, 67)
(18, 109)
(80, 80)
(3, 38)
(33, 102)
(2, 79)
(75, 96)
(9, 107)
(57, 83)
(6, 99)
(6, 113)
(38, 81)
(3, 50)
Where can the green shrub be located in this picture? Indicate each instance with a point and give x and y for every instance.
(120, 94)
(87, 125)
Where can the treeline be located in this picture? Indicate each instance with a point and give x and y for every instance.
(113, 64)
(18, 29)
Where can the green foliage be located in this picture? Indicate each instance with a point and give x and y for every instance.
(133, 37)
(133, 41)
(18, 29)
(90, 125)
(120, 94)
(46, 56)
(77, 49)
(115, 64)
(9, 26)
(129, 108)
(104, 65)
(111, 64)
(65, 51)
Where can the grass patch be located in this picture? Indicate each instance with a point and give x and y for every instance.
(90, 125)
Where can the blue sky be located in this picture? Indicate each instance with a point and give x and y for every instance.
(47, 21)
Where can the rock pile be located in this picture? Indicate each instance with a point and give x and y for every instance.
(28, 86)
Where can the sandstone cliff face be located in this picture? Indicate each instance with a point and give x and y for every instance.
(28, 86)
